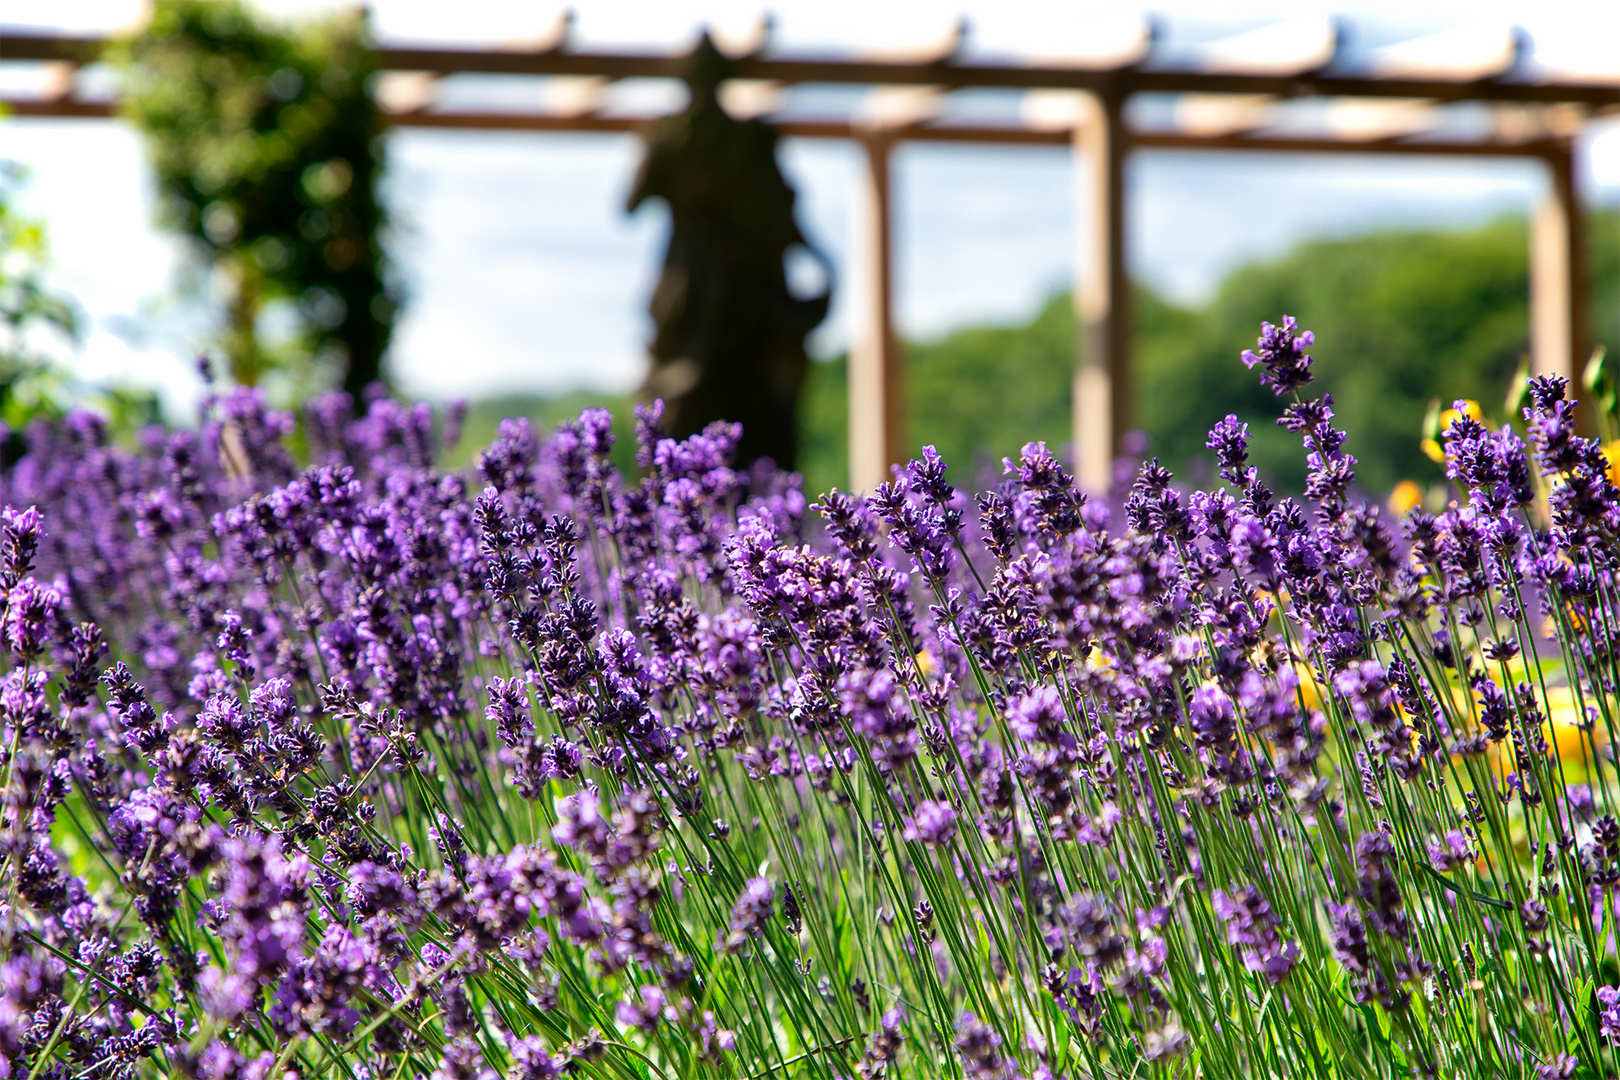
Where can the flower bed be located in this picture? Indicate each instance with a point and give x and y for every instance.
(367, 770)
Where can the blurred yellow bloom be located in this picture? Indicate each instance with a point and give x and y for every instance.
(1562, 729)
(1612, 454)
(1406, 495)
(1431, 444)
(926, 662)
(1310, 691)
(1462, 703)
(1470, 409)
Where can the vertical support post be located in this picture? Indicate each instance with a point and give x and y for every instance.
(1103, 392)
(876, 413)
(1558, 342)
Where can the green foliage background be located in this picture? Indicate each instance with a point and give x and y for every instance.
(265, 141)
(1401, 317)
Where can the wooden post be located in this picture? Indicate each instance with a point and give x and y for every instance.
(1102, 374)
(1558, 342)
(876, 413)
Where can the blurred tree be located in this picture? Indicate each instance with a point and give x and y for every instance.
(1401, 317)
(266, 145)
(30, 315)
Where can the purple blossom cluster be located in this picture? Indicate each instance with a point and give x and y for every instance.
(320, 759)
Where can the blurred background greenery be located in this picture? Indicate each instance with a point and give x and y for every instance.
(263, 139)
(267, 151)
(1401, 318)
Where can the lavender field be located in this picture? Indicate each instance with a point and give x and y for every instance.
(321, 761)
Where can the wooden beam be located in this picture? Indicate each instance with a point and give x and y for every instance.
(1558, 332)
(1102, 374)
(1156, 140)
(876, 411)
(65, 108)
(23, 108)
(1124, 80)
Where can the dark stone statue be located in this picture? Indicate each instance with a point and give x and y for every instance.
(730, 333)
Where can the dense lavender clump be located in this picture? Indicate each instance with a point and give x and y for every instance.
(335, 763)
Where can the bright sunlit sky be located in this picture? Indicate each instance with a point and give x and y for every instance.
(524, 274)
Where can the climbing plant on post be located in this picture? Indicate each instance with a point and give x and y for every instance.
(30, 383)
(265, 141)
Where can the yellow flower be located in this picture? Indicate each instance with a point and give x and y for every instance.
(1562, 729)
(1311, 692)
(1406, 495)
(1431, 447)
(1611, 453)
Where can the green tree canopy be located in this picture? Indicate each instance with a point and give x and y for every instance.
(1401, 317)
(265, 143)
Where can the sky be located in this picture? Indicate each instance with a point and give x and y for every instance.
(523, 273)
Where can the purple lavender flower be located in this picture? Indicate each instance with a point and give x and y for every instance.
(1377, 889)
(533, 1060)
(1251, 926)
(979, 1046)
(30, 616)
(1453, 852)
(20, 532)
(1609, 1013)
(1230, 440)
(1282, 350)
(1559, 1067)
(1038, 716)
(265, 904)
(750, 913)
(884, 1050)
(934, 822)
(343, 702)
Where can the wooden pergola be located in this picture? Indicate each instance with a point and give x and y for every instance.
(1294, 91)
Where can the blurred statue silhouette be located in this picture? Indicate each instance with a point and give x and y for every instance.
(730, 334)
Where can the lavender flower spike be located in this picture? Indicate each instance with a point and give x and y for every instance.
(1282, 350)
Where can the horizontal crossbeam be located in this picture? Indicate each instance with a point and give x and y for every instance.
(1595, 93)
(838, 129)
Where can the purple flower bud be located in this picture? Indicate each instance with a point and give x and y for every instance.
(1252, 927)
(750, 913)
(1229, 438)
(1282, 350)
(933, 823)
(1609, 1013)
(1453, 852)
(1038, 716)
(533, 1060)
(30, 615)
